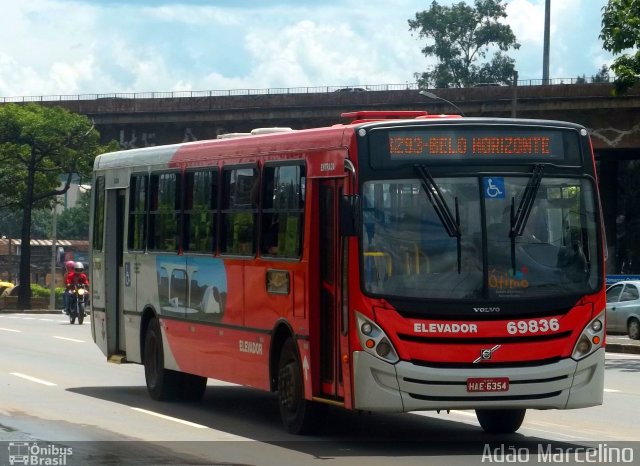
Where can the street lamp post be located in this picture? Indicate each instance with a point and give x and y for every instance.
(545, 51)
(431, 95)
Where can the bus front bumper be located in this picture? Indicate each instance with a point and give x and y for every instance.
(401, 387)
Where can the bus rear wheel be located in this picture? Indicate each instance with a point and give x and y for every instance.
(500, 421)
(162, 384)
(295, 411)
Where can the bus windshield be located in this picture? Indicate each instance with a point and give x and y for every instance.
(408, 251)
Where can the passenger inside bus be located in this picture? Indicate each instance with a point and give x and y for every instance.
(270, 234)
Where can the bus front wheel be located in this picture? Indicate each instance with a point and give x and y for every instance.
(295, 411)
(162, 384)
(500, 421)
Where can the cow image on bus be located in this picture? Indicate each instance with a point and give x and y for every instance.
(397, 262)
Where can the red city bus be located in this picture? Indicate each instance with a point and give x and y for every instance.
(400, 262)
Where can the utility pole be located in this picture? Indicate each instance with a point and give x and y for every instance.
(54, 251)
(514, 99)
(545, 53)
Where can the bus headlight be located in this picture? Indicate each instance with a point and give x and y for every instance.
(374, 341)
(591, 338)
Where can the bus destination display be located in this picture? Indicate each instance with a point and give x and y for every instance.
(476, 144)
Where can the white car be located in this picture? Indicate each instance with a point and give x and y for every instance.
(623, 308)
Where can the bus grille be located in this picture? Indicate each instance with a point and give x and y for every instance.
(485, 364)
(483, 340)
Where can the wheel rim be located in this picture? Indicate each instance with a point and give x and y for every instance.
(634, 329)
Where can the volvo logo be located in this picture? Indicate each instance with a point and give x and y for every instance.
(485, 354)
(486, 309)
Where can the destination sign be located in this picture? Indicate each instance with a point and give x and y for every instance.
(488, 145)
(482, 144)
(475, 144)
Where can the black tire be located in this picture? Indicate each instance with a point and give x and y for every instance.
(633, 329)
(500, 421)
(162, 384)
(80, 314)
(72, 317)
(192, 387)
(296, 412)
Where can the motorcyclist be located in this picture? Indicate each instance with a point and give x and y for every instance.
(74, 279)
(66, 296)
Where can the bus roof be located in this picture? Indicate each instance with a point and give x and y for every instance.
(285, 141)
(260, 143)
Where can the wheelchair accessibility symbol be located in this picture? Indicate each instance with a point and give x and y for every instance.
(494, 188)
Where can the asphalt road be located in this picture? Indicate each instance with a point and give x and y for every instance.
(57, 391)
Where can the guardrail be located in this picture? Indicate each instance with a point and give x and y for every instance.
(267, 91)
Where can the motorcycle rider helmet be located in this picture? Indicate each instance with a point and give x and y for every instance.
(78, 267)
(69, 265)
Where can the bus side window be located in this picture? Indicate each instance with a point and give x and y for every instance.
(164, 212)
(200, 210)
(98, 214)
(239, 211)
(138, 200)
(282, 210)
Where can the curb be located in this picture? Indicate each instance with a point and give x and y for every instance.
(618, 348)
(29, 311)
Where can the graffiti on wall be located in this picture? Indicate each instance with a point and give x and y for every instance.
(612, 136)
(131, 139)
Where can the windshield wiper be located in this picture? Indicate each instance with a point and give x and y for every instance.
(519, 220)
(439, 203)
(520, 217)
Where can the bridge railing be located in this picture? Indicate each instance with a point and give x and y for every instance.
(266, 91)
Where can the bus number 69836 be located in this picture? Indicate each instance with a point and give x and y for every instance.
(533, 326)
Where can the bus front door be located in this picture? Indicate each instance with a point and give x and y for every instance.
(114, 226)
(332, 341)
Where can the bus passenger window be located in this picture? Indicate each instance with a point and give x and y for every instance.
(137, 213)
(201, 204)
(164, 212)
(239, 210)
(98, 214)
(282, 211)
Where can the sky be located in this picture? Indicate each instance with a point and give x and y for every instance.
(69, 47)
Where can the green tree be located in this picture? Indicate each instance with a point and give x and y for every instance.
(11, 223)
(620, 32)
(73, 223)
(461, 38)
(602, 76)
(37, 145)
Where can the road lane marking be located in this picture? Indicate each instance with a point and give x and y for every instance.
(611, 390)
(555, 435)
(69, 339)
(33, 379)
(169, 418)
(622, 356)
(10, 330)
(464, 413)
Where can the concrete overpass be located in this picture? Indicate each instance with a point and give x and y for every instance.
(138, 120)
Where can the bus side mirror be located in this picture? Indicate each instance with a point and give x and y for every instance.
(350, 215)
